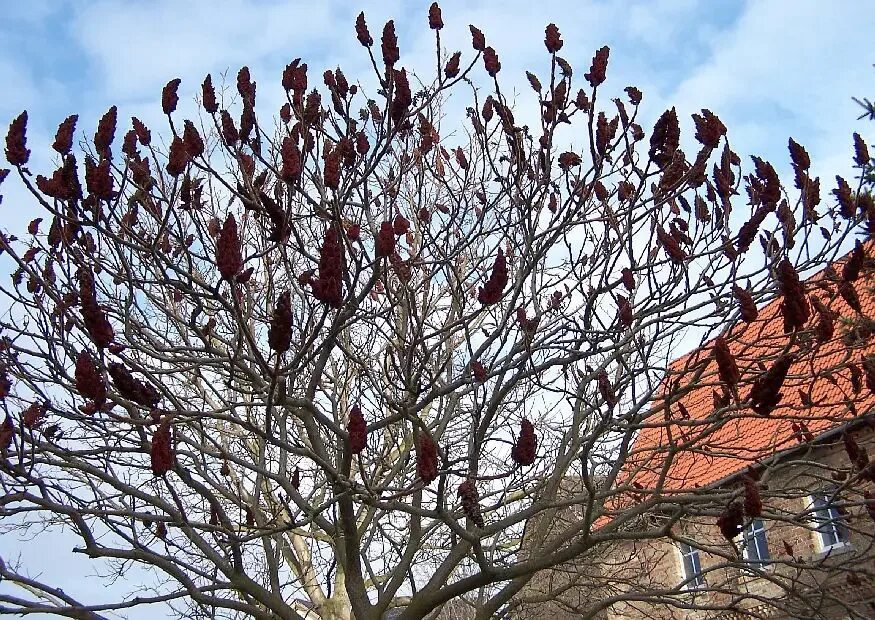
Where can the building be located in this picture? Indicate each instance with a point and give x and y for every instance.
(703, 455)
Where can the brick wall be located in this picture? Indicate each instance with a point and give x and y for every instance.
(648, 573)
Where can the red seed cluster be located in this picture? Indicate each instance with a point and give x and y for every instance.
(569, 159)
(400, 225)
(801, 162)
(598, 70)
(357, 429)
(208, 95)
(798, 155)
(746, 303)
(402, 98)
(247, 120)
(361, 31)
(671, 246)
(89, 380)
(709, 129)
(177, 159)
(479, 371)
(856, 453)
(328, 287)
(331, 173)
(765, 394)
(169, 98)
(98, 179)
(93, 316)
(426, 458)
(491, 62)
(665, 139)
(731, 521)
(491, 293)
(229, 130)
(389, 44)
(753, 502)
(279, 336)
(385, 243)
(868, 364)
(63, 143)
(245, 85)
(5, 383)
(291, 156)
(451, 69)
(400, 267)
(229, 253)
(628, 278)
(132, 388)
(471, 502)
(17, 152)
(794, 305)
(552, 38)
(748, 231)
(129, 144)
(105, 132)
(606, 389)
(64, 183)
(634, 95)
(7, 433)
(825, 328)
(435, 21)
(526, 446)
(33, 416)
(853, 266)
(849, 293)
(162, 453)
(766, 184)
(478, 40)
(726, 366)
(861, 151)
(295, 80)
(194, 144)
(143, 133)
(624, 311)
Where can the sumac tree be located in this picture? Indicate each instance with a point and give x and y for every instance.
(348, 360)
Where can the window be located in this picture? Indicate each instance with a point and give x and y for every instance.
(832, 529)
(755, 548)
(691, 567)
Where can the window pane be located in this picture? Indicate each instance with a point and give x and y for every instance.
(830, 522)
(692, 567)
(755, 545)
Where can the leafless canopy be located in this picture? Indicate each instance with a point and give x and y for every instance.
(345, 363)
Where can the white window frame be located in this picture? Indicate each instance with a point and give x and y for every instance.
(695, 581)
(832, 519)
(755, 527)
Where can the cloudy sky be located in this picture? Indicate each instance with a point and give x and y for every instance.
(769, 68)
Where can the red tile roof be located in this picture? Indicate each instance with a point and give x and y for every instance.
(701, 450)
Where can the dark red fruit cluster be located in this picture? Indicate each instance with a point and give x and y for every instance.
(89, 379)
(163, 457)
(731, 521)
(426, 458)
(471, 502)
(357, 429)
(526, 446)
(765, 394)
(491, 293)
(229, 253)
(279, 336)
(328, 287)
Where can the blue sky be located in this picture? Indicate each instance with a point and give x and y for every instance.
(769, 68)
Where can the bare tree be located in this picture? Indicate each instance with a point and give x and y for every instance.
(343, 365)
